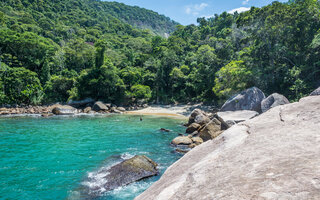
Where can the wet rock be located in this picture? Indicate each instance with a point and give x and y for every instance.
(272, 101)
(249, 99)
(183, 151)
(316, 92)
(131, 170)
(164, 130)
(211, 130)
(181, 140)
(99, 106)
(63, 110)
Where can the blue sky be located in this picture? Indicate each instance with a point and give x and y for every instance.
(187, 11)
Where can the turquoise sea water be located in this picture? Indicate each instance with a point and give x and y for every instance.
(51, 158)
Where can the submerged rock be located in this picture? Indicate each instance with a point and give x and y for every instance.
(272, 101)
(272, 156)
(64, 110)
(249, 99)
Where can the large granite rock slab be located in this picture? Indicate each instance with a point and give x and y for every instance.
(249, 99)
(272, 101)
(316, 92)
(272, 156)
(237, 116)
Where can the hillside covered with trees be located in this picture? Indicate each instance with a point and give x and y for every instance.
(54, 50)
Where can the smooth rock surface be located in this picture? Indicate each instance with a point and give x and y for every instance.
(272, 101)
(237, 116)
(99, 106)
(273, 156)
(124, 173)
(181, 140)
(64, 110)
(316, 92)
(249, 99)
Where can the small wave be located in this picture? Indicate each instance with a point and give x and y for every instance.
(126, 156)
(127, 191)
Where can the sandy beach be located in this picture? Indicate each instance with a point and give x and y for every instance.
(182, 111)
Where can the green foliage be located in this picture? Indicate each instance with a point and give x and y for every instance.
(140, 92)
(232, 78)
(21, 85)
(86, 48)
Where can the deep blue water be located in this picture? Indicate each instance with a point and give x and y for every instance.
(51, 158)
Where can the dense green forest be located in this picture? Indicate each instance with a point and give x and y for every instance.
(56, 50)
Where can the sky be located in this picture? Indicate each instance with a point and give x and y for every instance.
(186, 12)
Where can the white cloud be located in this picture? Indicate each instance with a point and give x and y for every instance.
(195, 9)
(245, 2)
(239, 10)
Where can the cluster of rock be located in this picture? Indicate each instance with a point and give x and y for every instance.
(273, 156)
(246, 105)
(201, 128)
(87, 106)
(24, 110)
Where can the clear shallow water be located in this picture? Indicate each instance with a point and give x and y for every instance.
(51, 158)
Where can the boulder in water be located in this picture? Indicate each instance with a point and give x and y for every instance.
(249, 99)
(181, 140)
(272, 101)
(64, 110)
(128, 171)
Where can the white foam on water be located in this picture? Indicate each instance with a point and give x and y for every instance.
(126, 192)
(126, 156)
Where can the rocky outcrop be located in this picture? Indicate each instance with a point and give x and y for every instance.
(193, 127)
(249, 99)
(272, 101)
(99, 106)
(196, 113)
(272, 156)
(211, 130)
(316, 92)
(233, 117)
(64, 110)
(131, 170)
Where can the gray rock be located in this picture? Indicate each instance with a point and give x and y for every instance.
(64, 110)
(272, 101)
(202, 119)
(122, 109)
(237, 116)
(131, 170)
(211, 130)
(99, 106)
(316, 92)
(194, 114)
(81, 103)
(249, 99)
(181, 140)
(272, 156)
(193, 127)
(87, 110)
